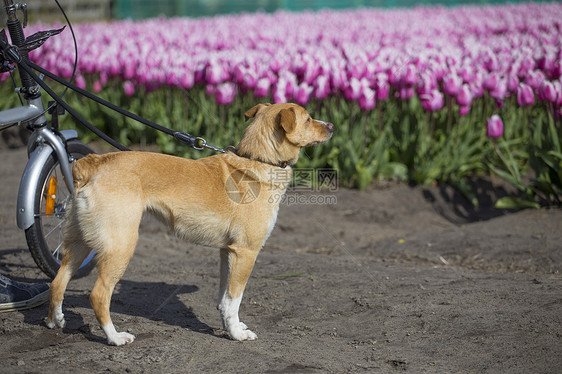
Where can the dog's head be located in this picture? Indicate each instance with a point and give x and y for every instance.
(279, 131)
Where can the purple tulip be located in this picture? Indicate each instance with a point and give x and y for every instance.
(367, 99)
(262, 88)
(321, 87)
(558, 88)
(382, 90)
(452, 84)
(128, 88)
(512, 83)
(525, 95)
(432, 101)
(410, 76)
(103, 78)
(464, 97)
(97, 86)
(225, 93)
(279, 93)
(405, 93)
(215, 73)
(494, 127)
(302, 94)
(548, 92)
(187, 80)
(534, 79)
(464, 110)
(490, 82)
(81, 82)
(353, 90)
(467, 73)
(500, 92)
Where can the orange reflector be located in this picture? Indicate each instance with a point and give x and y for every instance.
(51, 196)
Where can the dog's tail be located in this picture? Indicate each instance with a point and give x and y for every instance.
(86, 167)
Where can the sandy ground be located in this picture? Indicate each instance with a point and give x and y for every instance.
(391, 279)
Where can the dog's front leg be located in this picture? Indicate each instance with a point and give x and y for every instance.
(236, 266)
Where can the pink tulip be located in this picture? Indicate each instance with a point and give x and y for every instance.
(367, 99)
(512, 83)
(534, 79)
(262, 88)
(215, 73)
(452, 84)
(302, 94)
(321, 87)
(382, 91)
(410, 76)
(525, 95)
(500, 92)
(432, 101)
(187, 80)
(464, 98)
(225, 93)
(490, 82)
(128, 88)
(97, 86)
(353, 90)
(548, 92)
(405, 93)
(81, 82)
(464, 110)
(494, 127)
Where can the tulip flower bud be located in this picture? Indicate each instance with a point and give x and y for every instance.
(464, 98)
(548, 92)
(494, 127)
(452, 84)
(129, 88)
(525, 95)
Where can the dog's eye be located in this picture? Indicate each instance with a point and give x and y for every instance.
(308, 120)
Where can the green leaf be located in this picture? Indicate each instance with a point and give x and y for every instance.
(515, 203)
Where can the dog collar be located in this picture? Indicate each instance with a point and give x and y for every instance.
(282, 164)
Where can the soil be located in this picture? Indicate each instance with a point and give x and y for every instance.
(395, 278)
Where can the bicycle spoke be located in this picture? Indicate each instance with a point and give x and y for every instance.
(56, 251)
(53, 229)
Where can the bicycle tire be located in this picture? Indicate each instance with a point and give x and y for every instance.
(46, 246)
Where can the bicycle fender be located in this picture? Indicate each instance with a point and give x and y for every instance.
(39, 154)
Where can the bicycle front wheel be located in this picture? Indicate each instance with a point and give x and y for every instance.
(45, 236)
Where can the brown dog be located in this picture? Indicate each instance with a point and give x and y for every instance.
(229, 201)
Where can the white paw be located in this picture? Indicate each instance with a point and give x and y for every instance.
(121, 338)
(242, 333)
(60, 323)
(57, 319)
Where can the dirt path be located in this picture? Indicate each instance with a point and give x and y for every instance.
(392, 279)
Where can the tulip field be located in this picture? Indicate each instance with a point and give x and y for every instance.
(423, 95)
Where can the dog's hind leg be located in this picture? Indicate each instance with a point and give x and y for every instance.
(236, 266)
(74, 254)
(112, 263)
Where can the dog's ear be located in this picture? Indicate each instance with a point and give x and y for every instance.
(251, 113)
(287, 119)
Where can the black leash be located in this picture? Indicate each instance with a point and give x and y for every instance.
(12, 54)
(196, 142)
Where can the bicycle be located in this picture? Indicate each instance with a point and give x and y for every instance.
(46, 184)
